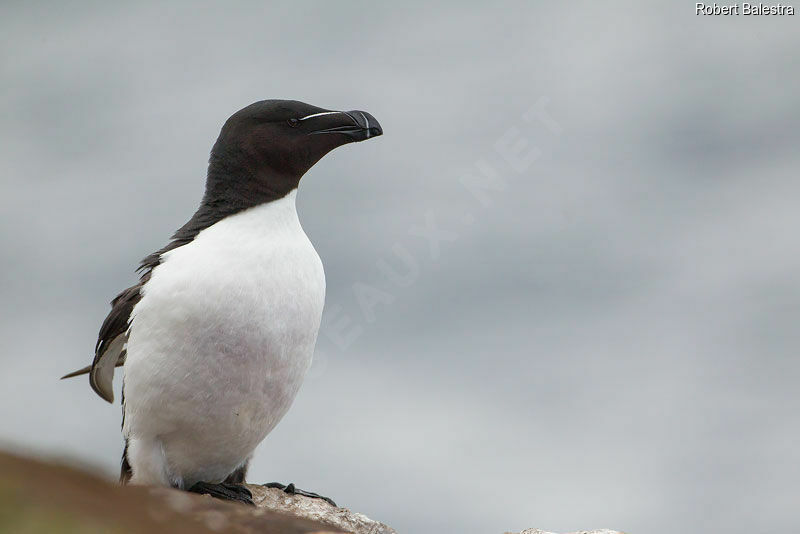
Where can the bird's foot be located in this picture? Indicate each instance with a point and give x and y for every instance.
(225, 492)
(291, 490)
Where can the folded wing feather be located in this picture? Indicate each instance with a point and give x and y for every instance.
(110, 348)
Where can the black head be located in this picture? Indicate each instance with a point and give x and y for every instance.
(264, 149)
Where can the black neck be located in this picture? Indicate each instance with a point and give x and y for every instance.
(231, 187)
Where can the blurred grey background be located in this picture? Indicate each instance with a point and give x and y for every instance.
(602, 332)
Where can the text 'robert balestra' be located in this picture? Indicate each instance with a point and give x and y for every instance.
(743, 9)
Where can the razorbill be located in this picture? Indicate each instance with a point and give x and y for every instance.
(219, 332)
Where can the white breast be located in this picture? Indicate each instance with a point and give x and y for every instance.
(222, 338)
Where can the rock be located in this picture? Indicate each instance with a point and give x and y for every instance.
(537, 531)
(40, 497)
(316, 510)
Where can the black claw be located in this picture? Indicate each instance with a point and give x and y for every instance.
(225, 492)
(292, 490)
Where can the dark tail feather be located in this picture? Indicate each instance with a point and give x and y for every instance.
(125, 471)
(88, 368)
(79, 372)
(237, 477)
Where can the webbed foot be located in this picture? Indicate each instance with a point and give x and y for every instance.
(292, 490)
(224, 491)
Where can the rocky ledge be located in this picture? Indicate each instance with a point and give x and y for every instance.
(40, 497)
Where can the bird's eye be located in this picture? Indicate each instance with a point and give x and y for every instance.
(293, 122)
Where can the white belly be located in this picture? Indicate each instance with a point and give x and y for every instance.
(221, 341)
